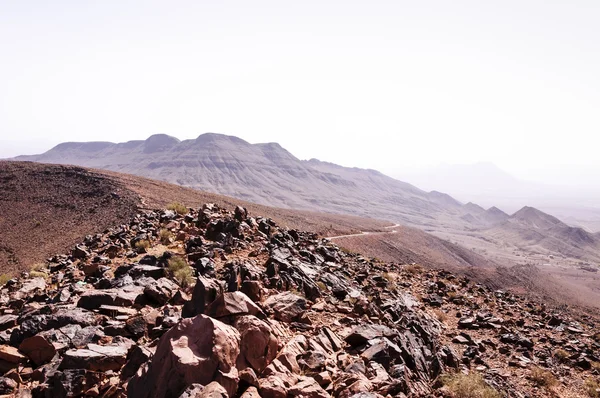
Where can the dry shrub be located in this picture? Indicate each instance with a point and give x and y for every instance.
(561, 355)
(441, 315)
(543, 378)
(469, 386)
(5, 278)
(592, 387)
(177, 208)
(413, 268)
(596, 366)
(38, 274)
(180, 271)
(165, 236)
(142, 244)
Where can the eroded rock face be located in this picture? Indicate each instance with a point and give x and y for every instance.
(197, 350)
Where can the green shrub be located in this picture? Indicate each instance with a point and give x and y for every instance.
(180, 271)
(468, 386)
(178, 208)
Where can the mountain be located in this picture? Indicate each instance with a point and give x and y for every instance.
(534, 229)
(268, 174)
(261, 173)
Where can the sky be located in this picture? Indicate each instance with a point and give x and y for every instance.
(377, 84)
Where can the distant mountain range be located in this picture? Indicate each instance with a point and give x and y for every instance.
(268, 174)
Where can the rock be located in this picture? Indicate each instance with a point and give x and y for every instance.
(212, 390)
(308, 387)
(124, 297)
(161, 291)
(8, 321)
(360, 335)
(95, 358)
(11, 355)
(205, 292)
(197, 350)
(233, 304)
(286, 306)
(38, 349)
(258, 345)
(251, 392)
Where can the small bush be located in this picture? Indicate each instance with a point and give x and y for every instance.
(592, 387)
(596, 366)
(561, 355)
(440, 315)
(178, 208)
(543, 378)
(180, 271)
(413, 268)
(142, 244)
(5, 278)
(165, 236)
(469, 386)
(38, 274)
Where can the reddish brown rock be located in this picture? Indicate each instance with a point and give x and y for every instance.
(196, 350)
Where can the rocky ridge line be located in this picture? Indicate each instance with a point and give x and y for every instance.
(271, 313)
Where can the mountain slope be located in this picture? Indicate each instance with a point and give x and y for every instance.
(533, 228)
(260, 173)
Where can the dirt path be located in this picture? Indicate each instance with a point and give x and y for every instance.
(368, 233)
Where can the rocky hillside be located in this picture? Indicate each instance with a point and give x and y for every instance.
(45, 209)
(213, 303)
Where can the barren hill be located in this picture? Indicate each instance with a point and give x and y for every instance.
(535, 229)
(261, 173)
(48, 208)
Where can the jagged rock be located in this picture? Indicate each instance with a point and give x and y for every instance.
(360, 335)
(124, 297)
(197, 350)
(8, 321)
(11, 355)
(212, 390)
(258, 346)
(95, 358)
(251, 392)
(161, 291)
(233, 304)
(286, 306)
(39, 349)
(137, 356)
(205, 292)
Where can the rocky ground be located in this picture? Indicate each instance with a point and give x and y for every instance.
(218, 303)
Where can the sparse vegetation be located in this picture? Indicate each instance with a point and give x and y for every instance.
(596, 366)
(543, 378)
(39, 270)
(413, 268)
(178, 208)
(592, 387)
(5, 278)
(142, 244)
(38, 274)
(440, 315)
(469, 386)
(561, 355)
(180, 271)
(165, 236)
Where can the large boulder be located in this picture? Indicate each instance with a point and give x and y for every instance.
(286, 306)
(258, 345)
(196, 350)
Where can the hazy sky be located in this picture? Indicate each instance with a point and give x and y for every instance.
(379, 84)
